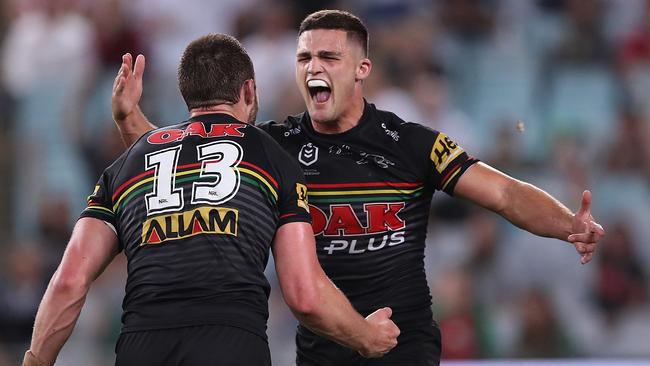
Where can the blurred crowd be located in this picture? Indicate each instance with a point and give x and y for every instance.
(555, 92)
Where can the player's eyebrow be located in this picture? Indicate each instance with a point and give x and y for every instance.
(303, 54)
(321, 53)
(329, 54)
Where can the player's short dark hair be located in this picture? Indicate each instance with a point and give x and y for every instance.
(212, 70)
(337, 19)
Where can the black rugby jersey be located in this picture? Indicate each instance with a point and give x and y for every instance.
(370, 190)
(195, 207)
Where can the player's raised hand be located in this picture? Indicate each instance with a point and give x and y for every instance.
(585, 231)
(383, 335)
(127, 88)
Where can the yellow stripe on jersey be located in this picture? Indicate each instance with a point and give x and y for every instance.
(262, 179)
(375, 191)
(188, 172)
(102, 208)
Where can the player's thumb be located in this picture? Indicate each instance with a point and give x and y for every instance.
(586, 202)
(387, 312)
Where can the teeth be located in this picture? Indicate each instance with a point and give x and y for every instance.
(315, 83)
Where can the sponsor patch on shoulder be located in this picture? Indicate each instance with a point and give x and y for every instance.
(303, 202)
(444, 152)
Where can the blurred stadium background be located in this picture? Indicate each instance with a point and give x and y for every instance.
(576, 72)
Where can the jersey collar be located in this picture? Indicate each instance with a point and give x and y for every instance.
(215, 118)
(368, 109)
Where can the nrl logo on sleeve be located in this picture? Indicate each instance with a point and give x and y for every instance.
(308, 154)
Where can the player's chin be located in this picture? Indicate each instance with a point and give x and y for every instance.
(318, 109)
(320, 114)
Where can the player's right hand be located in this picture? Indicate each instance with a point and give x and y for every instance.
(383, 334)
(127, 88)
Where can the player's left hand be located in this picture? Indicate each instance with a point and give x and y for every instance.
(585, 231)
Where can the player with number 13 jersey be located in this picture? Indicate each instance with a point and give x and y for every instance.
(227, 179)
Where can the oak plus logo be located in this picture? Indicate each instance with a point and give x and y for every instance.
(308, 154)
(345, 231)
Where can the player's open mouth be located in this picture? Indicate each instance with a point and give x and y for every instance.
(319, 90)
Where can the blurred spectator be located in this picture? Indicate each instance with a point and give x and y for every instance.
(482, 262)
(577, 84)
(541, 334)
(469, 19)
(464, 322)
(621, 281)
(166, 27)
(430, 90)
(48, 59)
(102, 155)
(505, 153)
(635, 48)
(570, 160)
(51, 41)
(629, 151)
(115, 33)
(272, 48)
(584, 42)
(634, 62)
(54, 230)
(22, 285)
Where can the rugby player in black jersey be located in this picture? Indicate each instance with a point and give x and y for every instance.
(371, 178)
(196, 207)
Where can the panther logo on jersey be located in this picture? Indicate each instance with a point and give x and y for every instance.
(308, 154)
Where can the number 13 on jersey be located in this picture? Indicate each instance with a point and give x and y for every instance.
(216, 161)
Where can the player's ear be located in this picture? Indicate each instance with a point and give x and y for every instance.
(363, 69)
(248, 91)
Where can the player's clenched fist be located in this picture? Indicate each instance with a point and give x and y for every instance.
(383, 336)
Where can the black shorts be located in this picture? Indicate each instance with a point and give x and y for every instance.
(415, 347)
(203, 345)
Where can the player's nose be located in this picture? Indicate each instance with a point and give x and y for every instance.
(314, 66)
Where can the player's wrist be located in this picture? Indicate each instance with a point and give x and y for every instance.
(31, 359)
(367, 340)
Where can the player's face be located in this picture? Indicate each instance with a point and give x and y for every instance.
(326, 72)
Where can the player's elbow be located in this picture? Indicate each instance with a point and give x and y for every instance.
(504, 204)
(70, 281)
(303, 301)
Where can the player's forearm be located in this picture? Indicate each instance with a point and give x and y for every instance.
(56, 317)
(333, 317)
(133, 126)
(536, 211)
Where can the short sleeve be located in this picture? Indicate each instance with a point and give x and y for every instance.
(293, 204)
(100, 204)
(448, 161)
(439, 158)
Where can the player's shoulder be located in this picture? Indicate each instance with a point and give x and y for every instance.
(292, 125)
(399, 129)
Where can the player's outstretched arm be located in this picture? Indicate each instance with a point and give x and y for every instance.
(531, 208)
(127, 91)
(92, 247)
(318, 304)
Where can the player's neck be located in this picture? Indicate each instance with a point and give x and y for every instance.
(349, 119)
(228, 109)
